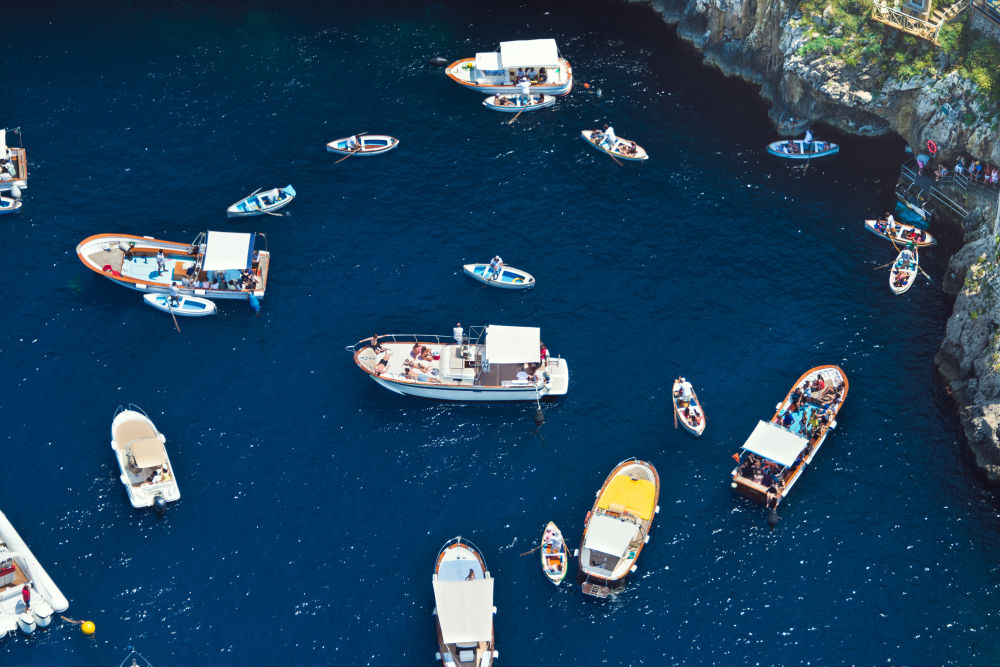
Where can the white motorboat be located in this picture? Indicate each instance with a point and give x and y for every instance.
(13, 164)
(260, 203)
(509, 278)
(189, 306)
(492, 363)
(147, 474)
(463, 598)
(223, 265)
(498, 72)
(20, 570)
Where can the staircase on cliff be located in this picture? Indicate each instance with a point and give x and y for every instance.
(916, 18)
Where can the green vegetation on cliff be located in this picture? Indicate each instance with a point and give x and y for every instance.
(844, 29)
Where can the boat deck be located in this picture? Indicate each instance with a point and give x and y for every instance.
(450, 364)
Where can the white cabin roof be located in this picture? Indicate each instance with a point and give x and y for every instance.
(488, 62)
(529, 53)
(148, 452)
(225, 251)
(775, 443)
(512, 345)
(608, 535)
(465, 610)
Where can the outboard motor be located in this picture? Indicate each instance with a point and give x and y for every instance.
(43, 613)
(8, 624)
(159, 505)
(26, 621)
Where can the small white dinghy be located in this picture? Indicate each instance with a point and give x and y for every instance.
(9, 205)
(509, 278)
(622, 149)
(799, 149)
(260, 203)
(364, 145)
(904, 271)
(189, 306)
(515, 103)
(147, 473)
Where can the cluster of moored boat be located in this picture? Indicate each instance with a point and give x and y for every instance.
(485, 363)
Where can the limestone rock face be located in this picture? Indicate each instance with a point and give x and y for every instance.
(762, 42)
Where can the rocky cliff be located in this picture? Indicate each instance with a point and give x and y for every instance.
(764, 43)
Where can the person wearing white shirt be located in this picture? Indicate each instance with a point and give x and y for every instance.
(809, 139)
(496, 267)
(525, 92)
(458, 333)
(610, 140)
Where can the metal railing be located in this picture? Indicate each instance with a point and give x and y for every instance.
(471, 337)
(910, 172)
(988, 8)
(915, 25)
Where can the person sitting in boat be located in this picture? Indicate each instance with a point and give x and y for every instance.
(787, 419)
(543, 75)
(353, 144)
(375, 345)
(684, 389)
(631, 149)
(609, 140)
(522, 376)
(496, 268)
(471, 576)
(410, 374)
(418, 364)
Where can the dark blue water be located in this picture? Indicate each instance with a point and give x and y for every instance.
(314, 501)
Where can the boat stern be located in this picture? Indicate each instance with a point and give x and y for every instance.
(558, 371)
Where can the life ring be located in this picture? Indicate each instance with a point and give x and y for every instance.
(931, 146)
(518, 280)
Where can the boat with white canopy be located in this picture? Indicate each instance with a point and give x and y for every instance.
(777, 452)
(147, 473)
(216, 265)
(499, 72)
(20, 569)
(617, 527)
(463, 598)
(13, 163)
(492, 363)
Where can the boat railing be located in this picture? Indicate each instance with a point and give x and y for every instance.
(472, 337)
(461, 540)
(133, 407)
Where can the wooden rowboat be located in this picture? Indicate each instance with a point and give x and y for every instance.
(260, 203)
(778, 452)
(554, 557)
(509, 278)
(904, 271)
(798, 149)
(900, 233)
(688, 409)
(514, 103)
(618, 150)
(189, 306)
(371, 144)
(617, 527)
(9, 205)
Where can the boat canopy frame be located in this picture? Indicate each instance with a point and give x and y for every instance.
(775, 443)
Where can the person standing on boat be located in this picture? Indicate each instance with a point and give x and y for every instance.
(161, 262)
(26, 597)
(458, 333)
(525, 92)
(175, 295)
(809, 142)
(609, 140)
(496, 267)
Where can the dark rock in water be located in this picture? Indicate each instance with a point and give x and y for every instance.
(438, 61)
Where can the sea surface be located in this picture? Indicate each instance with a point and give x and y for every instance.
(313, 501)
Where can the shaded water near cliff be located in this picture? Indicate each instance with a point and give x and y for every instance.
(314, 501)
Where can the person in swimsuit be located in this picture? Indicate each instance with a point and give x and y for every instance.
(376, 346)
(383, 364)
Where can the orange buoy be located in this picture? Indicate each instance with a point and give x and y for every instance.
(931, 146)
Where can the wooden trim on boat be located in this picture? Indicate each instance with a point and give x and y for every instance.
(593, 511)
